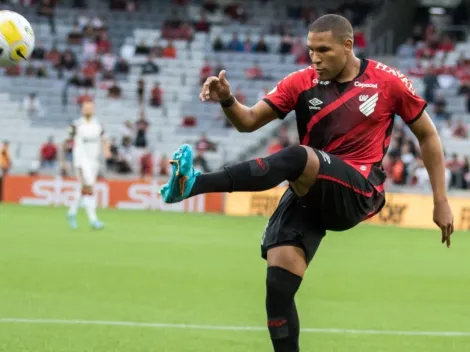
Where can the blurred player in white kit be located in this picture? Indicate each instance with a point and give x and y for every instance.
(89, 143)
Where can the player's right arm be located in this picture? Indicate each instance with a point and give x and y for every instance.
(242, 117)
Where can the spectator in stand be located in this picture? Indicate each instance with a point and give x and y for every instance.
(455, 167)
(157, 49)
(205, 145)
(261, 46)
(360, 42)
(202, 25)
(30, 70)
(67, 154)
(47, 9)
(89, 74)
(156, 98)
(446, 44)
(111, 161)
(248, 44)
(141, 128)
(408, 159)
(431, 84)
(460, 130)
(218, 44)
(240, 96)
(90, 48)
(201, 162)
(163, 165)
(140, 91)
(68, 61)
(41, 71)
(108, 62)
(142, 48)
(407, 50)
(235, 44)
(146, 164)
(5, 158)
(150, 67)
(54, 56)
(440, 111)
(286, 44)
(114, 91)
(39, 52)
(75, 36)
(169, 51)
(48, 154)
(126, 154)
(397, 171)
(218, 68)
(206, 71)
(13, 71)
(122, 66)
(255, 72)
(103, 44)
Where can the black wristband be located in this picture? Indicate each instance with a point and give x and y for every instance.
(228, 103)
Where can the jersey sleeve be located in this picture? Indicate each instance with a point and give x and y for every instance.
(408, 105)
(282, 98)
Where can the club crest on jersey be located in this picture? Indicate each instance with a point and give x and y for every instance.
(369, 104)
(315, 104)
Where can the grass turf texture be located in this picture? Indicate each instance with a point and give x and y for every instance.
(206, 269)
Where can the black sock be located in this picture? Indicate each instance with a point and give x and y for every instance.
(255, 175)
(283, 320)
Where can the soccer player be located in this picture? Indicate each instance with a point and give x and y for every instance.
(89, 141)
(345, 108)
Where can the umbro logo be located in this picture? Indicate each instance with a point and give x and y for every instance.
(368, 106)
(315, 102)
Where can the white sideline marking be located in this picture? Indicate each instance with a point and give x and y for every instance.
(227, 328)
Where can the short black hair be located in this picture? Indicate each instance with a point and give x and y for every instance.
(340, 27)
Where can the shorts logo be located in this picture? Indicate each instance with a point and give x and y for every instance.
(315, 104)
(368, 106)
(325, 156)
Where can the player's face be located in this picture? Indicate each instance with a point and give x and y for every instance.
(87, 109)
(328, 54)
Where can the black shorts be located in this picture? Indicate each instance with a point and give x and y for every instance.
(340, 199)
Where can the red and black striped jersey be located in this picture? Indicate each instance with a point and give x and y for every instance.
(351, 120)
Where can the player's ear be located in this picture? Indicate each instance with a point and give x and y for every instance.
(348, 46)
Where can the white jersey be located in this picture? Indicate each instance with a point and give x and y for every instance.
(87, 141)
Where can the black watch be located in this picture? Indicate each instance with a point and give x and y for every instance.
(228, 103)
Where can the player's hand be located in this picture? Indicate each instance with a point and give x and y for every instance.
(216, 88)
(444, 218)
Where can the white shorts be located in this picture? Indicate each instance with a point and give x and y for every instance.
(87, 173)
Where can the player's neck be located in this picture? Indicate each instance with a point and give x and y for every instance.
(350, 71)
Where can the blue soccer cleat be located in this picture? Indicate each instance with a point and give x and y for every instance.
(97, 225)
(182, 177)
(72, 219)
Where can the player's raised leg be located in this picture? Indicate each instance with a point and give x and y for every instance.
(298, 165)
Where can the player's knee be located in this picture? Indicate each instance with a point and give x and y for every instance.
(281, 285)
(292, 159)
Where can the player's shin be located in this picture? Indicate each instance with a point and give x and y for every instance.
(283, 320)
(77, 199)
(89, 202)
(255, 175)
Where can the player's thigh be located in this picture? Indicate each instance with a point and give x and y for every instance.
(341, 196)
(87, 174)
(291, 225)
(302, 185)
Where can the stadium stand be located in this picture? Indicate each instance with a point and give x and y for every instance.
(173, 46)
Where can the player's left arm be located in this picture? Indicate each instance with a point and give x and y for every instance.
(433, 158)
(106, 146)
(411, 108)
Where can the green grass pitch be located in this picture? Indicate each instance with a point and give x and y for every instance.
(168, 268)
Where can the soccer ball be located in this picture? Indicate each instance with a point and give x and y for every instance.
(16, 38)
